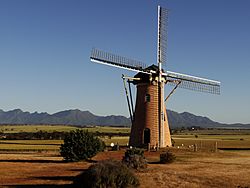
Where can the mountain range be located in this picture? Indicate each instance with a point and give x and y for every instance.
(86, 118)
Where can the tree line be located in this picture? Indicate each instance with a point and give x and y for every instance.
(55, 135)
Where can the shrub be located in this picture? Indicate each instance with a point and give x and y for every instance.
(107, 174)
(80, 145)
(167, 157)
(172, 141)
(116, 147)
(134, 158)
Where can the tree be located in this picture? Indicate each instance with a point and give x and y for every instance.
(80, 145)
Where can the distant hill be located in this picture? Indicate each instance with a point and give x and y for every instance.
(187, 119)
(83, 118)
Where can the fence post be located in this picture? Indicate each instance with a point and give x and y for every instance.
(195, 147)
(216, 146)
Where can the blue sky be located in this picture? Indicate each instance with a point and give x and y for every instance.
(45, 47)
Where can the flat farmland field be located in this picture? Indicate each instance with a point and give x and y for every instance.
(205, 139)
(26, 145)
(35, 128)
(37, 163)
(48, 145)
(225, 139)
(59, 128)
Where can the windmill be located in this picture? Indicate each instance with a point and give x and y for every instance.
(149, 116)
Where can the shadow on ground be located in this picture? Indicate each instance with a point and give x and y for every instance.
(40, 186)
(51, 178)
(31, 161)
(52, 181)
(16, 143)
(55, 178)
(154, 162)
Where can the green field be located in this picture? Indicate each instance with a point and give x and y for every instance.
(59, 128)
(202, 138)
(210, 143)
(54, 144)
(51, 144)
(30, 145)
(208, 138)
(121, 140)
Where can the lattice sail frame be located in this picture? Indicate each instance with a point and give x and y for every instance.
(173, 78)
(192, 82)
(110, 59)
(162, 35)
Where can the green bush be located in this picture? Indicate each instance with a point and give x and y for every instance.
(80, 145)
(134, 158)
(167, 157)
(107, 174)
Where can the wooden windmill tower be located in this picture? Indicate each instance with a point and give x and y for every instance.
(149, 116)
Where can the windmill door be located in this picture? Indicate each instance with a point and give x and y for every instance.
(146, 136)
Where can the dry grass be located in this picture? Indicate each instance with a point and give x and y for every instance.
(192, 169)
(195, 169)
(36, 169)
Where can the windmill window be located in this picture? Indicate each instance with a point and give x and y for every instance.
(147, 98)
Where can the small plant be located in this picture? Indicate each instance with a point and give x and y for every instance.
(80, 145)
(167, 157)
(107, 174)
(134, 158)
(172, 141)
(116, 147)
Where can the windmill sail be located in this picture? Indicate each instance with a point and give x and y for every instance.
(106, 58)
(162, 35)
(193, 82)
